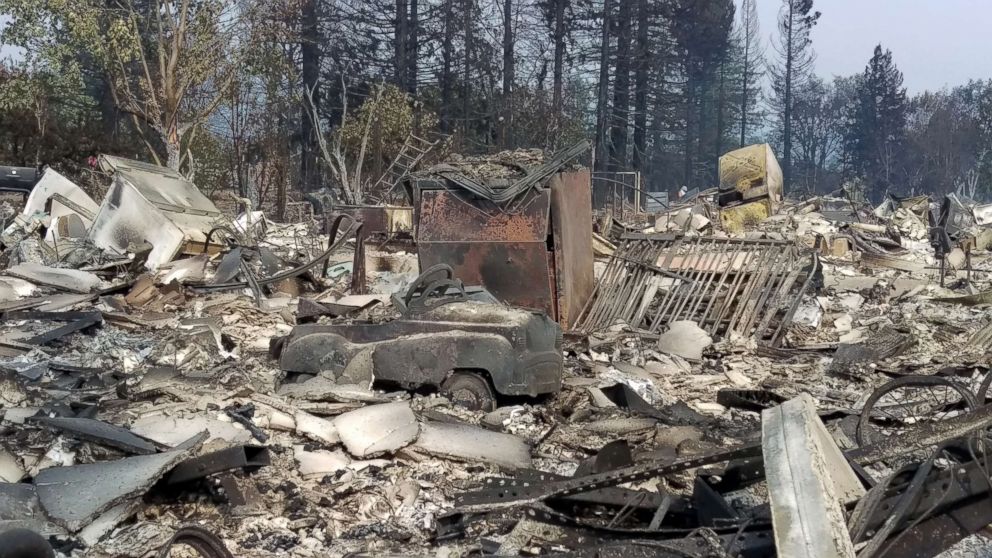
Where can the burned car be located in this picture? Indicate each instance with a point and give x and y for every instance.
(471, 350)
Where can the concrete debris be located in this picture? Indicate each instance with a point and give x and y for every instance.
(317, 464)
(10, 470)
(75, 496)
(473, 444)
(377, 429)
(170, 431)
(685, 339)
(316, 428)
(500, 369)
(63, 279)
(808, 482)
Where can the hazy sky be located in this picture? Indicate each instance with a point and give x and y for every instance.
(935, 43)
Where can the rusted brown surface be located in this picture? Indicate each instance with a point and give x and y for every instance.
(374, 217)
(534, 252)
(571, 198)
(504, 251)
(514, 272)
(447, 216)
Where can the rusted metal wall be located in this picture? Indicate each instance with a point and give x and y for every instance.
(505, 251)
(571, 203)
(533, 252)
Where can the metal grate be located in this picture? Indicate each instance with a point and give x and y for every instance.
(746, 286)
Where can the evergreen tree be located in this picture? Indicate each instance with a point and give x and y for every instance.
(702, 32)
(877, 129)
(751, 60)
(795, 52)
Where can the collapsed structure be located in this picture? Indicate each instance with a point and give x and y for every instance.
(494, 369)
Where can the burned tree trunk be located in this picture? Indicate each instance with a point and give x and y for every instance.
(412, 47)
(641, 87)
(559, 70)
(603, 99)
(400, 40)
(619, 130)
(310, 55)
(467, 69)
(506, 123)
(447, 56)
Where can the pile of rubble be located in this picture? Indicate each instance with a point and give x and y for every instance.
(808, 382)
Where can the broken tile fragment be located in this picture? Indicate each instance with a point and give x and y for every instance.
(471, 443)
(377, 429)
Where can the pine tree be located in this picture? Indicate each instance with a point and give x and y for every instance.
(702, 32)
(752, 68)
(878, 126)
(794, 48)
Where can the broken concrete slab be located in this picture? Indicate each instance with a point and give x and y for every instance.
(809, 480)
(66, 279)
(316, 428)
(685, 339)
(317, 464)
(377, 429)
(20, 509)
(173, 430)
(107, 521)
(17, 415)
(464, 441)
(10, 469)
(75, 496)
(99, 432)
(323, 388)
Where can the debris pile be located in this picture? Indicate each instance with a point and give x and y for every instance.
(494, 378)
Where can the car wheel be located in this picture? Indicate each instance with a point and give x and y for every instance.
(470, 390)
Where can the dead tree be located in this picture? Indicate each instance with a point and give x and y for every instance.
(351, 182)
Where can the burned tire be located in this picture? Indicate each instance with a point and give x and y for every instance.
(470, 390)
(983, 390)
(895, 407)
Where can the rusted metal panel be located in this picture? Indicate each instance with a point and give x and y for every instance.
(514, 272)
(534, 251)
(449, 216)
(571, 199)
(373, 217)
(503, 250)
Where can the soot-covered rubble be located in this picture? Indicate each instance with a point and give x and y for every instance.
(627, 403)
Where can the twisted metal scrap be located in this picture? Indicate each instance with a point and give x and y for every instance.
(205, 543)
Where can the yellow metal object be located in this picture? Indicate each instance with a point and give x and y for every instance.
(738, 218)
(750, 186)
